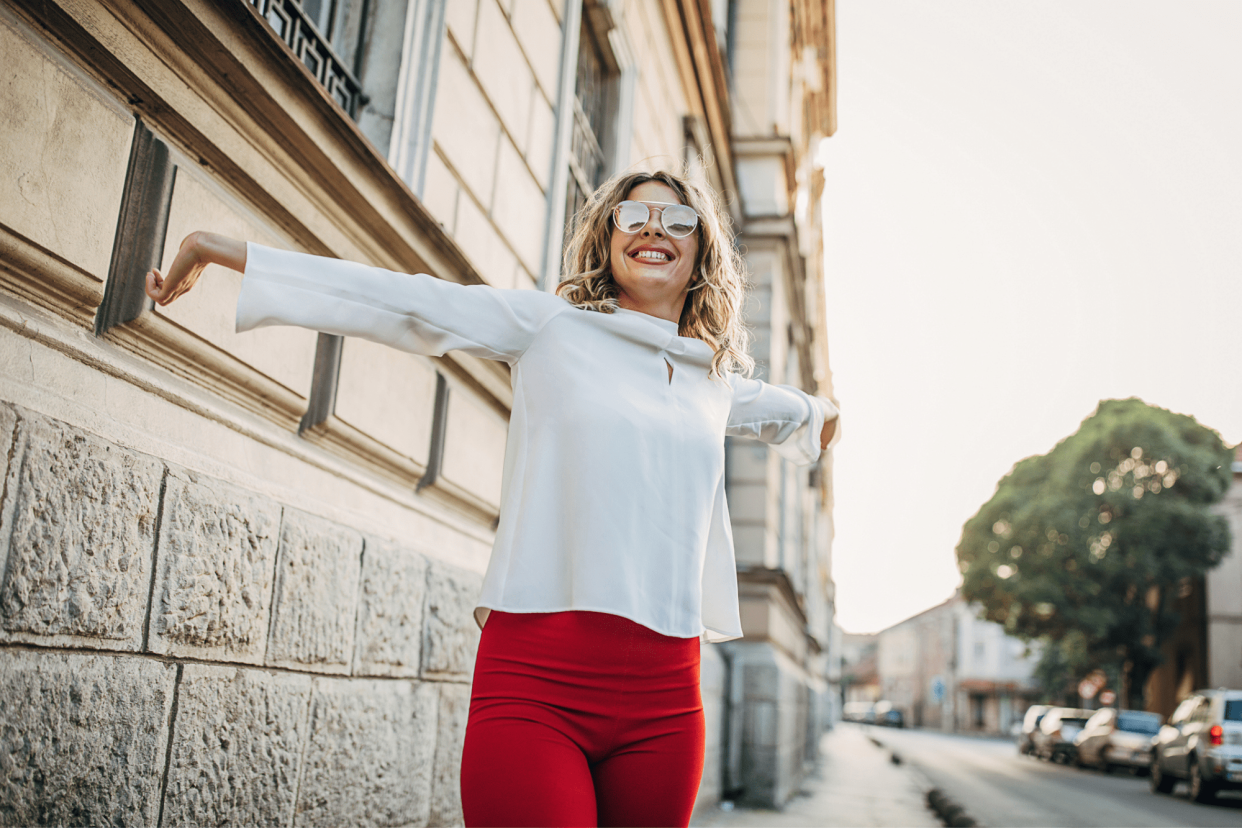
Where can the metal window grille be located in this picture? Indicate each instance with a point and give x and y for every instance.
(590, 116)
(296, 27)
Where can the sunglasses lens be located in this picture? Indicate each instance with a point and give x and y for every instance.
(680, 220)
(631, 216)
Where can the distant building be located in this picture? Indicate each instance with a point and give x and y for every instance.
(993, 674)
(1224, 595)
(860, 677)
(947, 669)
(1206, 648)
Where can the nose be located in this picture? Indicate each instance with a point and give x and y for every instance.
(655, 223)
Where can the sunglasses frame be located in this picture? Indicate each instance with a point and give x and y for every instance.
(659, 205)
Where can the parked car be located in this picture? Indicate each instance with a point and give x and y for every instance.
(1054, 738)
(859, 711)
(887, 715)
(1117, 739)
(1202, 744)
(1034, 714)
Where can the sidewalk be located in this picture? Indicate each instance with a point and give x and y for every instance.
(855, 785)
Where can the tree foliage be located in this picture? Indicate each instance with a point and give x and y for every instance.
(1087, 544)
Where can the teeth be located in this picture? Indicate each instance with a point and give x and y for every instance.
(652, 254)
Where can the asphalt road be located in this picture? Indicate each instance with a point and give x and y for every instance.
(999, 788)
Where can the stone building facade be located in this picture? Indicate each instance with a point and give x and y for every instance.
(780, 688)
(237, 570)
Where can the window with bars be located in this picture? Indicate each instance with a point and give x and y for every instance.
(326, 36)
(594, 90)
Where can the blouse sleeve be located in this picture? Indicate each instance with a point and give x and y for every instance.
(411, 312)
(782, 416)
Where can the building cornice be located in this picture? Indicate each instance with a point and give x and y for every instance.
(702, 68)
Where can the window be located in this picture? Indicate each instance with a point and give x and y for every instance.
(307, 27)
(593, 94)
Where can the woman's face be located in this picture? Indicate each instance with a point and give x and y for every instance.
(652, 269)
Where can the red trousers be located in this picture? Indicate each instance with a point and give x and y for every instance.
(581, 718)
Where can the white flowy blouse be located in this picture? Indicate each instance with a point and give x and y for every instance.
(613, 494)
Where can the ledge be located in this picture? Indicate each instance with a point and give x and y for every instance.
(210, 77)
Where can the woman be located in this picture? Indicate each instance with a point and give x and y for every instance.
(613, 555)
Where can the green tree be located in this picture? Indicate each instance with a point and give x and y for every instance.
(1091, 540)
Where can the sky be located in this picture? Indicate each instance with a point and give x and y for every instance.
(1029, 207)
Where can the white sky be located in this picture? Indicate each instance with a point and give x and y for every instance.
(1029, 207)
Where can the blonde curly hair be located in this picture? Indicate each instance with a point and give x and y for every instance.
(713, 308)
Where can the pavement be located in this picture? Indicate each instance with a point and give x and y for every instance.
(855, 784)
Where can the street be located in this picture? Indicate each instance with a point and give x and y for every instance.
(997, 787)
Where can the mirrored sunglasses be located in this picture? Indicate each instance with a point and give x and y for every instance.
(677, 220)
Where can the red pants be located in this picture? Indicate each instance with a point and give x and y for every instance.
(582, 718)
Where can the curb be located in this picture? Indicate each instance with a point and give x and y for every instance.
(946, 809)
(950, 812)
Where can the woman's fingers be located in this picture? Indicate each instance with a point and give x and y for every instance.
(197, 250)
(155, 284)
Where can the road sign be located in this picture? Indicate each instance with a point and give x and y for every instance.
(1087, 689)
(1108, 697)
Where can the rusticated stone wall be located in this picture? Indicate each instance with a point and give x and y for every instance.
(175, 650)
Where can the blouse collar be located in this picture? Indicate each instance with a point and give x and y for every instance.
(665, 324)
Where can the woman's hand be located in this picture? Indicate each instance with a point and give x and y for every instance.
(825, 436)
(197, 250)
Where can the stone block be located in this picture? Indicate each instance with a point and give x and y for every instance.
(519, 209)
(82, 738)
(474, 446)
(388, 395)
(451, 733)
(761, 716)
(539, 33)
(390, 611)
(751, 503)
(440, 192)
(460, 16)
(237, 746)
(66, 148)
(216, 565)
(317, 575)
(79, 525)
(465, 128)
(370, 754)
(485, 248)
(502, 70)
(452, 634)
(542, 137)
(8, 425)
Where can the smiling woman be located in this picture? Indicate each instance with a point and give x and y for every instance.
(613, 556)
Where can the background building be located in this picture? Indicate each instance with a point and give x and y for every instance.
(1224, 595)
(1205, 650)
(860, 677)
(947, 669)
(238, 569)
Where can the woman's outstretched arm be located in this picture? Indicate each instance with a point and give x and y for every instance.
(197, 250)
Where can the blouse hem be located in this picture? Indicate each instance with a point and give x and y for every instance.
(711, 636)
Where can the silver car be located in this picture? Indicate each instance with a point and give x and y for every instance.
(1202, 744)
(1054, 738)
(1114, 739)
